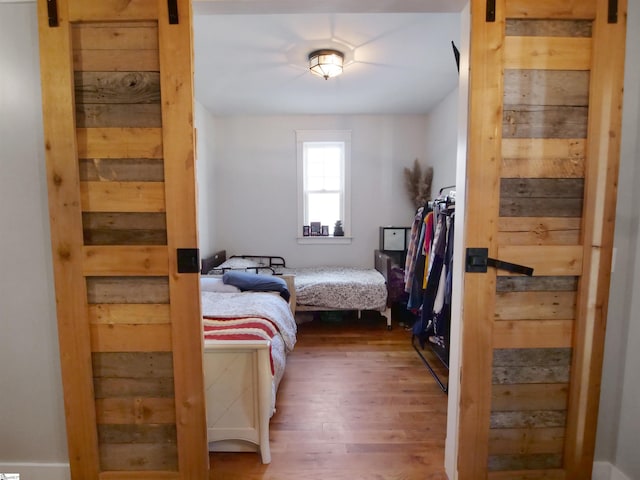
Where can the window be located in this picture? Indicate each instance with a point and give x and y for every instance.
(323, 179)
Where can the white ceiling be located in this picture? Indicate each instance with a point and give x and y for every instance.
(399, 58)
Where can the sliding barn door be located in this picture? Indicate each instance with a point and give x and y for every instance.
(544, 132)
(118, 124)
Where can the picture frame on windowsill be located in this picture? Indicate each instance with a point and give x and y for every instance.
(315, 229)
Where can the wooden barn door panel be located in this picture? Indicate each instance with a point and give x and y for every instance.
(118, 111)
(545, 109)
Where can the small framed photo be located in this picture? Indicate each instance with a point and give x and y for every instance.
(306, 230)
(325, 230)
(315, 229)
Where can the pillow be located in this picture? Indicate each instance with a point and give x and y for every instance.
(254, 282)
(237, 263)
(233, 263)
(215, 284)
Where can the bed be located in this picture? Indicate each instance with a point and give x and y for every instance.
(316, 288)
(247, 336)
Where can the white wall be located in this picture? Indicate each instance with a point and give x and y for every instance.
(627, 459)
(442, 141)
(32, 428)
(455, 353)
(626, 455)
(619, 414)
(256, 193)
(205, 180)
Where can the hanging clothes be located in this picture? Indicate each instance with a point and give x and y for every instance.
(442, 307)
(429, 233)
(431, 285)
(417, 256)
(424, 326)
(412, 250)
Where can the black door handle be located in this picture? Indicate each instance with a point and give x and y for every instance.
(188, 260)
(478, 260)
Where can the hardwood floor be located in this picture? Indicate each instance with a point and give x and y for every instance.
(355, 403)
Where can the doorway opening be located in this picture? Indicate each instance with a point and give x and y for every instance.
(243, 149)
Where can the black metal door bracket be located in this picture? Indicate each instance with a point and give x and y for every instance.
(52, 12)
(478, 260)
(188, 260)
(613, 11)
(491, 11)
(173, 12)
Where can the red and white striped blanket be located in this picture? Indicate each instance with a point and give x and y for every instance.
(269, 306)
(249, 328)
(225, 314)
(268, 309)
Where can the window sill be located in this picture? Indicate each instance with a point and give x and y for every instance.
(330, 240)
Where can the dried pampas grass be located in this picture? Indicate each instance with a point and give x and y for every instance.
(418, 183)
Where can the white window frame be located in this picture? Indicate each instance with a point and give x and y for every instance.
(311, 136)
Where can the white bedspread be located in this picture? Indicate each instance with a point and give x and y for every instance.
(344, 288)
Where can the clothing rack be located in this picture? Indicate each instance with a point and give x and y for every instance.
(424, 334)
(444, 202)
(442, 356)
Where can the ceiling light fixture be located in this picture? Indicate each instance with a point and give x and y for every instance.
(326, 63)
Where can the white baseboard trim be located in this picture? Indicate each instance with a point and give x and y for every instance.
(38, 471)
(60, 471)
(604, 471)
